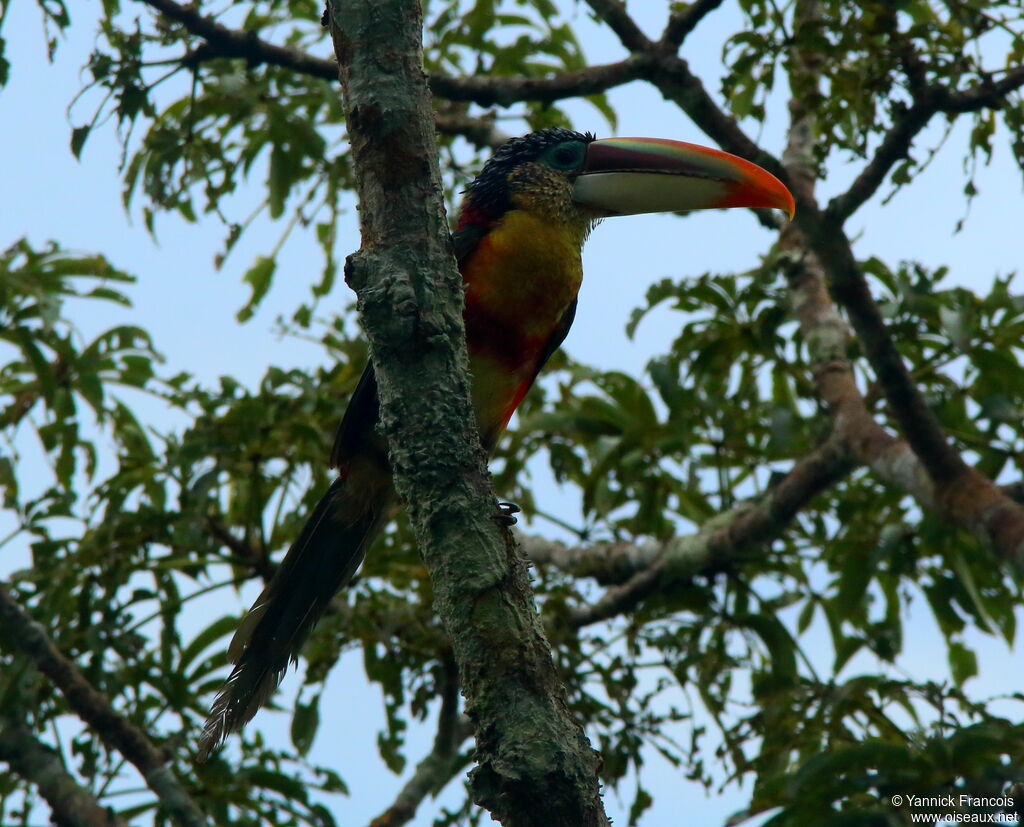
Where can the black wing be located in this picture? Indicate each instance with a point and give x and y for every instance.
(557, 337)
(465, 240)
(359, 424)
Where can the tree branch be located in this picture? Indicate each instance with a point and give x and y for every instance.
(985, 94)
(961, 493)
(867, 443)
(965, 494)
(957, 490)
(71, 804)
(827, 338)
(928, 100)
(894, 148)
(441, 763)
(221, 41)
(29, 638)
(917, 421)
(535, 766)
(726, 538)
(682, 22)
(506, 90)
(479, 131)
(254, 556)
(613, 12)
(856, 434)
(608, 563)
(967, 498)
(672, 76)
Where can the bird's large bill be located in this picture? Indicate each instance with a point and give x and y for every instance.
(625, 176)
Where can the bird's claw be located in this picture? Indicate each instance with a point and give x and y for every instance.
(506, 510)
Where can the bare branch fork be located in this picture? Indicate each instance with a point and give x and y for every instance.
(535, 766)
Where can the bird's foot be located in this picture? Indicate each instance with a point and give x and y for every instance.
(506, 511)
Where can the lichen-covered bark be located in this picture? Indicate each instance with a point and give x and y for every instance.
(25, 636)
(71, 804)
(535, 766)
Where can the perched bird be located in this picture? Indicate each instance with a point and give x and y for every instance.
(518, 243)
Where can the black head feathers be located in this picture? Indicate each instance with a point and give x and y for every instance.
(487, 198)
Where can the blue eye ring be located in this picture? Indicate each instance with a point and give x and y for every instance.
(566, 155)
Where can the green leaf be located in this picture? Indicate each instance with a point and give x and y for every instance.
(777, 640)
(258, 277)
(305, 723)
(641, 803)
(279, 782)
(78, 136)
(278, 181)
(966, 578)
(221, 627)
(963, 663)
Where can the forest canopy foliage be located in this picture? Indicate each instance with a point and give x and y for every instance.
(828, 439)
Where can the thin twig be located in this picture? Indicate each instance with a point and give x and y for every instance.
(442, 762)
(252, 554)
(928, 101)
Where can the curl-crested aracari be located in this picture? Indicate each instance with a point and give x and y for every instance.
(518, 244)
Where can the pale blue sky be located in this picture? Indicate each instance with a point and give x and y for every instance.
(189, 308)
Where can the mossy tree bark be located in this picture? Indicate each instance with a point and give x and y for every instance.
(534, 764)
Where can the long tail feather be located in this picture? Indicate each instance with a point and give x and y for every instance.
(320, 562)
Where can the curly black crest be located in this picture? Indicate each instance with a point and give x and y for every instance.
(488, 194)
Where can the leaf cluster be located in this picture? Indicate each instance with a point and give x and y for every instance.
(778, 668)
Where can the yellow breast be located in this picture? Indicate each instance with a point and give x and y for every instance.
(525, 273)
(519, 281)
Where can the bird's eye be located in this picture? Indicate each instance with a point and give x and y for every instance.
(568, 155)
